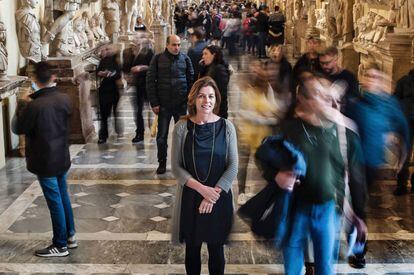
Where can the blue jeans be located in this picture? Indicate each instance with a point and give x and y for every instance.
(319, 221)
(58, 201)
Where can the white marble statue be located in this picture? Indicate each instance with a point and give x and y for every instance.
(111, 12)
(65, 42)
(157, 4)
(3, 52)
(129, 16)
(95, 25)
(148, 19)
(406, 14)
(88, 30)
(59, 13)
(28, 31)
(80, 37)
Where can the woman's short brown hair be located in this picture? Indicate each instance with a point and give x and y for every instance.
(195, 90)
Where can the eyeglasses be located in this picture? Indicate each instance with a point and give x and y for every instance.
(327, 62)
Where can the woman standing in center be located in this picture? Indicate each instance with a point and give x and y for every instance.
(205, 162)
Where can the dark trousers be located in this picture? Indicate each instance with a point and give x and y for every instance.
(107, 103)
(164, 118)
(216, 260)
(261, 47)
(139, 105)
(403, 175)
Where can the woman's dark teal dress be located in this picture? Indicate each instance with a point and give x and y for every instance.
(213, 228)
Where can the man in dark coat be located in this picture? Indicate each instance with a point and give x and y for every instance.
(169, 80)
(404, 91)
(45, 122)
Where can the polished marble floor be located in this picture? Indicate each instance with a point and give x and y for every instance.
(123, 211)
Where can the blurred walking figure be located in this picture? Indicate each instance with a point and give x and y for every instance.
(205, 162)
(195, 52)
(260, 111)
(109, 71)
(169, 79)
(383, 130)
(143, 53)
(44, 120)
(309, 61)
(404, 91)
(322, 190)
(214, 66)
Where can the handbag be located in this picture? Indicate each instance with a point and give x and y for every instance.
(268, 213)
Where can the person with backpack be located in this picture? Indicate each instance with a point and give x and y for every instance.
(247, 33)
(169, 79)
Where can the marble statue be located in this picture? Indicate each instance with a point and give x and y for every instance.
(88, 30)
(357, 12)
(112, 17)
(149, 19)
(129, 16)
(406, 14)
(298, 5)
(157, 11)
(3, 52)
(28, 31)
(320, 19)
(311, 16)
(60, 12)
(65, 42)
(80, 37)
(95, 25)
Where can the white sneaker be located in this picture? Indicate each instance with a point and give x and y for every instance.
(72, 242)
(241, 199)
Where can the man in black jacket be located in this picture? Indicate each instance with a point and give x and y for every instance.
(404, 91)
(169, 79)
(45, 122)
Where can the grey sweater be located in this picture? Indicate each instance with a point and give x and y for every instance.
(182, 175)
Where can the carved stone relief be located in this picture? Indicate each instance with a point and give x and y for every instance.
(3, 52)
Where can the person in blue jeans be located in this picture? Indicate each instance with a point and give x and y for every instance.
(321, 191)
(44, 120)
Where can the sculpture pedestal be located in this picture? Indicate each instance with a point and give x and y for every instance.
(160, 31)
(348, 57)
(393, 54)
(8, 91)
(73, 80)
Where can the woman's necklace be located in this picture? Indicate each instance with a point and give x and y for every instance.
(211, 157)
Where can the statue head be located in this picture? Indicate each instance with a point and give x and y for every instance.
(78, 25)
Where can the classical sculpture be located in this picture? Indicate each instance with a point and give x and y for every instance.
(95, 25)
(112, 17)
(88, 30)
(28, 31)
(60, 12)
(3, 52)
(157, 11)
(148, 14)
(129, 16)
(357, 12)
(65, 45)
(298, 5)
(320, 19)
(79, 36)
(406, 14)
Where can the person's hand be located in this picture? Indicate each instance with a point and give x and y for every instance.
(286, 180)
(206, 207)
(156, 109)
(209, 194)
(218, 189)
(135, 69)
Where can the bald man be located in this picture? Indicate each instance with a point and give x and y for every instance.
(169, 79)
